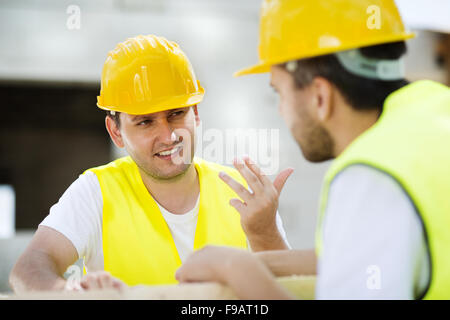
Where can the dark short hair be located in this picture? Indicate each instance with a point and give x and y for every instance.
(361, 93)
(115, 117)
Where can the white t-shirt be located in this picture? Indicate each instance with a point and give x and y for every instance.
(78, 216)
(373, 240)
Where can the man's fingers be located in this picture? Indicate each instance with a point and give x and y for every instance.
(188, 270)
(201, 265)
(252, 180)
(182, 274)
(73, 285)
(89, 282)
(105, 280)
(238, 205)
(236, 186)
(100, 280)
(187, 274)
(256, 170)
(280, 180)
(119, 285)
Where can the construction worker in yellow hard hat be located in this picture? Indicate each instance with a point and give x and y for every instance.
(135, 220)
(382, 229)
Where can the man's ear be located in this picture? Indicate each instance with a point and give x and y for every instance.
(323, 90)
(114, 132)
(197, 117)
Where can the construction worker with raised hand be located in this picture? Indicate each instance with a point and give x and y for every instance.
(137, 218)
(382, 230)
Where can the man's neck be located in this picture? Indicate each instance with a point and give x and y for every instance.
(352, 128)
(179, 195)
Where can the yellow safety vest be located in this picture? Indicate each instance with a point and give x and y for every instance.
(411, 143)
(138, 247)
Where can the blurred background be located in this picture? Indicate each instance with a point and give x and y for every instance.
(51, 57)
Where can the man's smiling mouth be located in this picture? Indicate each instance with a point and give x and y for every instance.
(169, 153)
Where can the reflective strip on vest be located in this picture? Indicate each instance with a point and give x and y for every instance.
(411, 143)
(138, 247)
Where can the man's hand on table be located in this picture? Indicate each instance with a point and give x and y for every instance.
(99, 280)
(238, 269)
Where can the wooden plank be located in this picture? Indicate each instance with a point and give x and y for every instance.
(301, 287)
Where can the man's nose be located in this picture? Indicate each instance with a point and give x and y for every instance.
(166, 133)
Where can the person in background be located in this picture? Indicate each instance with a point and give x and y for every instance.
(382, 229)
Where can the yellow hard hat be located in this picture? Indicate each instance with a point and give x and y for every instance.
(297, 29)
(148, 74)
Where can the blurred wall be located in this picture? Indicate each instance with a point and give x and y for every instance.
(48, 136)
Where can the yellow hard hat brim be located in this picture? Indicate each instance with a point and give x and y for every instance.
(258, 68)
(166, 104)
(265, 66)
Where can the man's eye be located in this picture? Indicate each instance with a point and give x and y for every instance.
(143, 123)
(176, 114)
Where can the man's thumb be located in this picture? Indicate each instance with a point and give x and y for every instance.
(280, 180)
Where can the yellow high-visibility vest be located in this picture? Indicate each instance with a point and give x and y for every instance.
(411, 143)
(138, 247)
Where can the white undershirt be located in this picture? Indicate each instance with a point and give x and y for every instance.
(373, 240)
(78, 216)
(182, 227)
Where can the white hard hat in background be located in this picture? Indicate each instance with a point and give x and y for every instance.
(431, 15)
